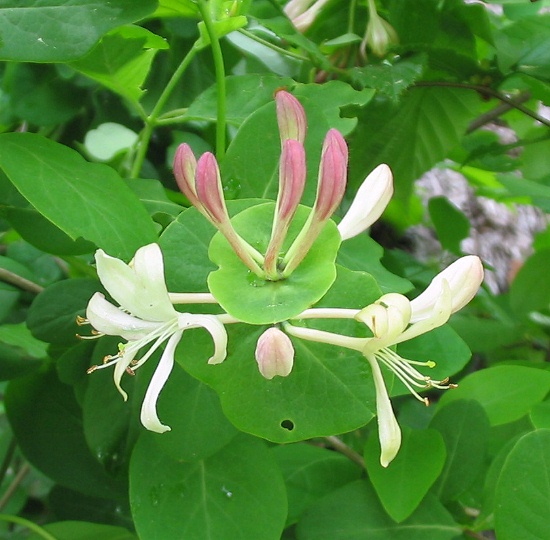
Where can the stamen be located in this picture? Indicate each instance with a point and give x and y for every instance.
(95, 335)
(81, 321)
(91, 369)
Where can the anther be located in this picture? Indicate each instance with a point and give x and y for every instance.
(81, 321)
(91, 369)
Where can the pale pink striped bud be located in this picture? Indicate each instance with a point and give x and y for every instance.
(185, 166)
(274, 353)
(292, 178)
(332, 175)
(291, 117)
(209, 188)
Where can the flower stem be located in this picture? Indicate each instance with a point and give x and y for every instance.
(151, 120)
(192, 298)
(220, 78)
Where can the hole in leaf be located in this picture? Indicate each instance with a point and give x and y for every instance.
(287, 424)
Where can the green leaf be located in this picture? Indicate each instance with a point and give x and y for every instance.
(103, 209)
(20, 352)
(354, 513)
(451, 225)
(523, 490)
(55, 445)
(330, 389)
(105, 141)
(245, 95)
(52, 317)
(530, 290)
(47, 30)
(540, 415)
(363, 254)
(80, 530)
(122, 59)
(505, 392)
(465, 430)
(413, 137)
(236, 494)
(391, 80)
(258, 301)
(402, 486)
(310, 473)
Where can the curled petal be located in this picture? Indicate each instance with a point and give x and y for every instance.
(274, 353)
(389, 432)
(149, 417)
(370, 201)
(139, 287)
(110, 320)
(291, 117)
(387, 317)
(464, 278)
(120, 368)
(438, 316)
(212, 325)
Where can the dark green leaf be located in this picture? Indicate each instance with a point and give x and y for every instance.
(523, 490)
(402, 486)
(47, 31)
(451, 225)
(236, 494)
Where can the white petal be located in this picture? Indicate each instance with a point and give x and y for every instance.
(110, 320)
(148, 415)
(120, 368)
(389, 432)
(464, 277)
(370, 201)
(216, 329)
(140, 289)
(439, 315)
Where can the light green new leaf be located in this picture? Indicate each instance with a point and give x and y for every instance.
(122, 59)
(402, 486)
(354, 513)
(505, 392)
(451, 225)
(61, 30)
(530, 290)
(523, 491)
(236, 494)
(87, 200)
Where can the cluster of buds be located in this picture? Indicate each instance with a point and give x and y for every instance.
(200, 181)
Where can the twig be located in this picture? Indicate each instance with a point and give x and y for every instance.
(23, 471)
(344, 449)
(485, 90)
(497, 112)
(21, 282)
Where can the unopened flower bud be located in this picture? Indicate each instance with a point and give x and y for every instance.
(301, 14)
(274, 353)
(185, 166)
(291, 117)
(380, 34)
(209, 188)
(371, 199)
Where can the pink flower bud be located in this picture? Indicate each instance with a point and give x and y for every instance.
(185, 166)
(332, 175)
(291, 117)
(209, 188)
(274, 353)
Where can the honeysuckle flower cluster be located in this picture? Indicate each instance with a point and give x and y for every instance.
(145, 316)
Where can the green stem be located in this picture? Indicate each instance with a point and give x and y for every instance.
(487, 91)
(29, 524)
(220, 78)
(151, 120)
(272, 46)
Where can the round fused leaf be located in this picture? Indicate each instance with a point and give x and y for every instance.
(257, 301)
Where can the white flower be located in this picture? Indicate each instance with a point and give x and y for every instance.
(371, 199)
(394, 319)
(146, 317)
